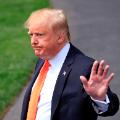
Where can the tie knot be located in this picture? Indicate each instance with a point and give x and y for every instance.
(46, 64)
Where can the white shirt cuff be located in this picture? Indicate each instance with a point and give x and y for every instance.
(101, 106)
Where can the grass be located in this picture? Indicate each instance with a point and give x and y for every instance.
(17, 59)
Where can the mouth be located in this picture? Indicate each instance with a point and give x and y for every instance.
(36, 48)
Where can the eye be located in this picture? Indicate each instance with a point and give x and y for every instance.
(36, 34)
(39, 34)
(30, 34)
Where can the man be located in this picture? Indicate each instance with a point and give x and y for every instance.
(74, 86)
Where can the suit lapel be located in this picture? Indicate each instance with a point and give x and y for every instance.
(62, 78)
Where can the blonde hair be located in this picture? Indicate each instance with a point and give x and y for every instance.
(55, 17)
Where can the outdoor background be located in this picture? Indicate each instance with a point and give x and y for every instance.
(94, 27)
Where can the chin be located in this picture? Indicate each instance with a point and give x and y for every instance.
(41, 57)
(44, 57)
(36, 54)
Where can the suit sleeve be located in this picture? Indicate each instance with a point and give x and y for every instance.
(113, 105)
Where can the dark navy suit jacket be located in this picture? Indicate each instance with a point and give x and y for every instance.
(70, 101)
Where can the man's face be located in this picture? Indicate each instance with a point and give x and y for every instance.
(44, 41)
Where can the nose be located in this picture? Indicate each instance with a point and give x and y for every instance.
(34, 39)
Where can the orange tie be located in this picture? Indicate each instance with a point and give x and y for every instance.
(35, 94)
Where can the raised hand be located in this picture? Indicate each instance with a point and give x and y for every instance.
(98, 82)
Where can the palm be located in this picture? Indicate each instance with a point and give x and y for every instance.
(98, 82)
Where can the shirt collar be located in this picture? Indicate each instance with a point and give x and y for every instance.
(59, 59)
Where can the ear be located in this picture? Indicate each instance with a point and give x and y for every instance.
(61, 37)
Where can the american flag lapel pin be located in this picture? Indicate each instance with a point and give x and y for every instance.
(64, 73)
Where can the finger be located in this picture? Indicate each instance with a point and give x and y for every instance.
(84, 81)
(110, 77)
(105, 72)
(94, 68)
(100, 68)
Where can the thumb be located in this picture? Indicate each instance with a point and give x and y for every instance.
(84, 81)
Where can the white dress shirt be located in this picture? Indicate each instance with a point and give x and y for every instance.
(44, 105)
